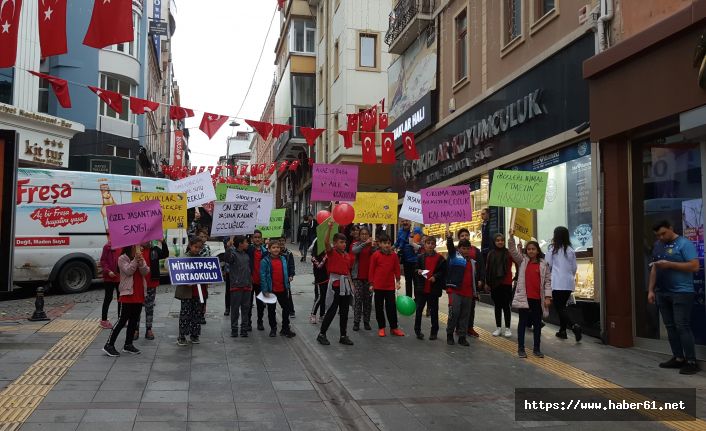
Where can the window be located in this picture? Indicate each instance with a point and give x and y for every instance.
(121, 86)
(302, 36)
(109, 150)
(367, 50)
(512, 14)
(6, 79)
(131, 48)
(303, 101)
(461, 46)
(543, 7)
(336, 65)
(122, 152)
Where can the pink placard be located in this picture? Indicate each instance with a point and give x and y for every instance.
(446, 205)
(334, 183)
(134, 223)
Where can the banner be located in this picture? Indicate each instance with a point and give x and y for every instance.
(518, 189)
(265, 202)
(524, 224)
(334, 183)
(173, 207)
(380, 208)
(222, 190)
(178, 149)
(275, 229)
(194, 270)
(321, 234)
(198, 189)
(446, 205)
(412, 207)
(135, 223)
(233, 218)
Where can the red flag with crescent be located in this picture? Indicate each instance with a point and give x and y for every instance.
(410, 148)
(141, 106)
(210, 123)
(282, 167)
(179, 113)
(111, 98)
(388, 148)
(353, 120)
(383, 121)
(52, 27)
(367, 140)
(60, 87)
(9, 31)
(111, 23)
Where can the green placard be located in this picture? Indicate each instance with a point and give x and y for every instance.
(276, 227)
(518, 189)
(222, 190)
(321, 235)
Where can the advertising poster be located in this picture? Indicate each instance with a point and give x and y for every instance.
(693, 228)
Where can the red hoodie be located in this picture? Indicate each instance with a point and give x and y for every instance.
(384, 270)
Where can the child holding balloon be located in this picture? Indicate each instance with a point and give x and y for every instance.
(384, 279)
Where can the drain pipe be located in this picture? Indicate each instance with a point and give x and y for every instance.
(607, 13)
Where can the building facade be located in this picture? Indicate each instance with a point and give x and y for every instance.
(651, 134)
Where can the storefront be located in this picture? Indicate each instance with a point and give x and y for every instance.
(652, 142)
(538, 122)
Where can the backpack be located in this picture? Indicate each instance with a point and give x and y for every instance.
(304, 232)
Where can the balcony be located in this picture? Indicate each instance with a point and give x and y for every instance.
(290, 144)
(407, 21)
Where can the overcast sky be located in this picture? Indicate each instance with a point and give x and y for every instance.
(215, 50)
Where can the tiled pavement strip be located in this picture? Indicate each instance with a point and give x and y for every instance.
(20, 399)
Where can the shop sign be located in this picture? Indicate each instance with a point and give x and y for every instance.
(416, 119)
(100, 166)
(44, 149)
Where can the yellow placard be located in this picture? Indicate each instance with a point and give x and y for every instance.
(379, 208)
(173, 207)
(524, 222)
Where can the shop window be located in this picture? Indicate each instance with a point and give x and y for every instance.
(7, 77)
(461, 46)
(512, 20)
(121, 86)
(367, 50)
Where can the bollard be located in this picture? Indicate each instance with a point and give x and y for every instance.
(39, 315)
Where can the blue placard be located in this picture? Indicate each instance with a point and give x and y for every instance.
(194, 270)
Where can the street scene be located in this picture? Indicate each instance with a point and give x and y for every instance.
(352, 215)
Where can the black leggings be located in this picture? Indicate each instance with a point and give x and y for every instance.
(320, 299)
(130, 316)
(108, 298)
(502, 297)
(560, 297)
(226, 293)
(339, 302)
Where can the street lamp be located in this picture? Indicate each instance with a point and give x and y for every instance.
(232, 124)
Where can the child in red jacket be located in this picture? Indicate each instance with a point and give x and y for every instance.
(384, 278)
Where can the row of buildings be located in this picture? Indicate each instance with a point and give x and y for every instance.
(603, 95)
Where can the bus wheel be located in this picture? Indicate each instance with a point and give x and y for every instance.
(74, 277)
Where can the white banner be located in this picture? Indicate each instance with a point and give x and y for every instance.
(412, 207)
(264, 202)
(234, 218)
(198, 188)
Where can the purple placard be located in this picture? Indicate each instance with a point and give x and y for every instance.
(334, 183)
(446, 205)
(134, 223)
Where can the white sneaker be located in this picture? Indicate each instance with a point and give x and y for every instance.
(497, 332)
(508, 333)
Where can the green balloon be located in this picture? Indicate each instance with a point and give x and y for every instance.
(406, 305)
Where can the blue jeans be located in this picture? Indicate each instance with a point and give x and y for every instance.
(675, 309)
(532, 315)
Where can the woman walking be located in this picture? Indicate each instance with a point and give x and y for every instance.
(562, 261)
(498, 275)
(111, 279)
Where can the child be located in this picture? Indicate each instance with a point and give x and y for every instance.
(340, 287)
(274, 280)
(362, 251)
(111, 280)
(240, 287)
(153, 253)
(257, 252)
(429, 287)
(534, 282)
(499, 277)
(476, 255)
(461, 284)
(320, 283)
(291, 270)
(191, 313)
(384, 278)
(133, 269)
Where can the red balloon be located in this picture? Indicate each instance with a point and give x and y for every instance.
(343, 214)
(322, 215)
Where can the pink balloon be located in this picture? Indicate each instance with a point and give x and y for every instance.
(343, 214)
(322, 215)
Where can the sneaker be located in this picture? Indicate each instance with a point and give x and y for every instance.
(367, 326)
(472, 332)
(312, 319)
(690, 368)
(521, 353)
(105, 324)
(577, 332)
(292, 315)
(227, 312)
(450, 340)
(420, 336)
(345, 340)
(508, 333)
(203, 320)
(234, 334)
(181, 341)
(323, 340)
(244, 334)
(137, 336)
(381, 332)
(538, 354)
(149, 335)
(397, 332)
(273, 332)
(432, 337)
(561, 335)
(131, 350)
(356, 327)
(288, 333)
(672, 363)
(110, 351)
(497, 332)
(195, 339)
(260, 326)
(462, 341)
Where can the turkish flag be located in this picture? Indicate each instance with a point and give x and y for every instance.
(60, 87)
(367, 140)
(383, 120)
(52, 27)
(111, 98)
(273, 167)
(179, 113)
(388, 148)
(347, 137)
(353, 120)
(141, 106)
(382, 105)
(410, 149)
(9, 29)
(111, 23)
(243, 170)
(369, 119)
(294, 165)
(261, 168)
(263, 129)
(278, 129)
(311, 134)
(210, 123)
(282, 167)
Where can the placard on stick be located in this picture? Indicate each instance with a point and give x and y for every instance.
(198, 188)
(518, 189)
(222, 190)
(378, 208)
(194, 270)
(134, 223)
(334, 183)
(173, 207)
(446, 205)
(233, 218)
(276, 227)
(412, 207)
(264, 202)
(321, 231)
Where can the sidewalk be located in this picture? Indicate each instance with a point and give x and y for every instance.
(276, 383)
